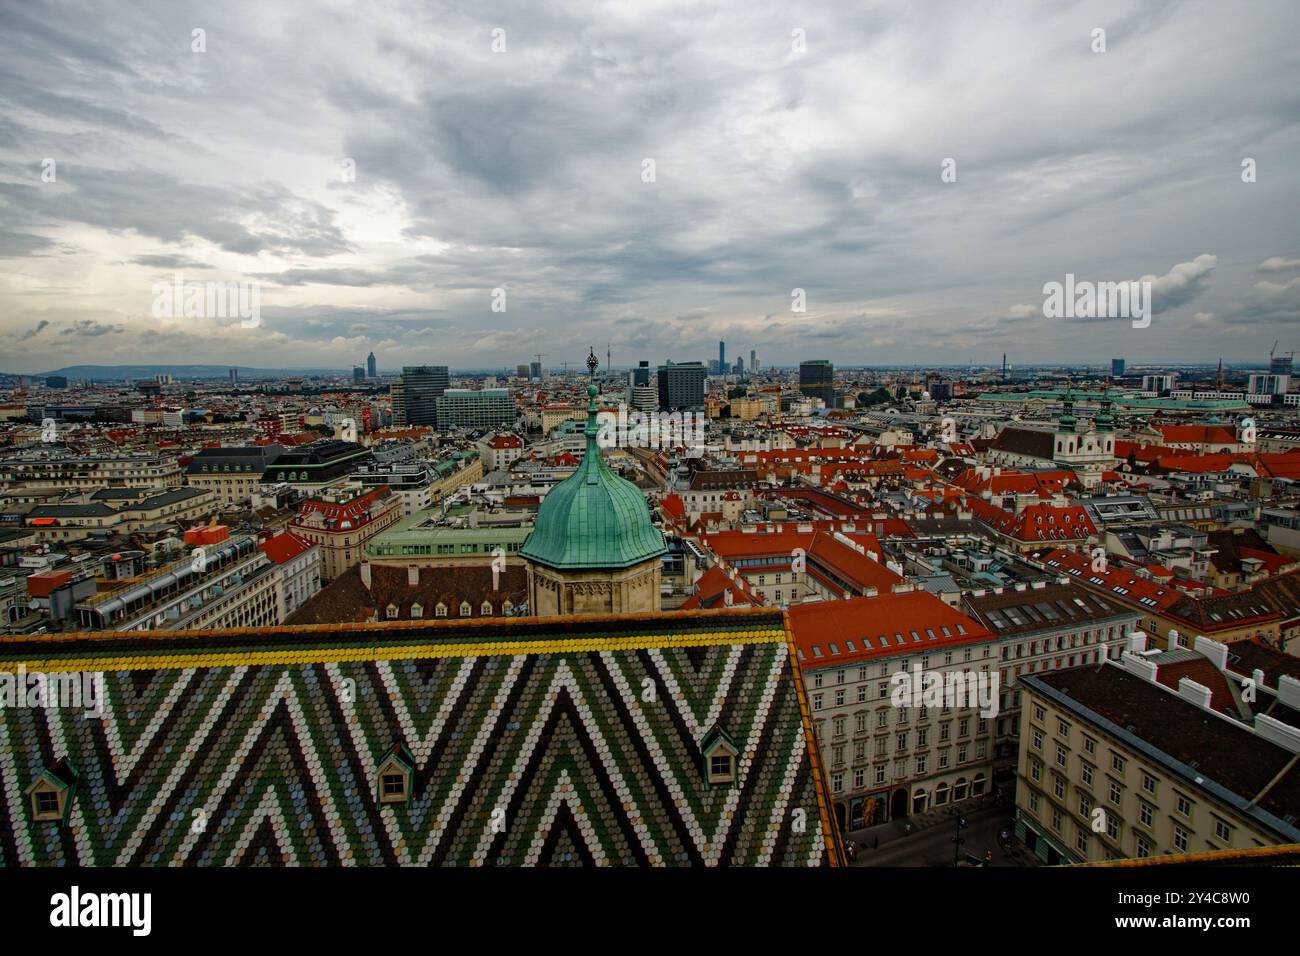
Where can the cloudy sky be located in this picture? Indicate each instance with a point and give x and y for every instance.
(378, 170)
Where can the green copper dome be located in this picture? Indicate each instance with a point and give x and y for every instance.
(593, 519)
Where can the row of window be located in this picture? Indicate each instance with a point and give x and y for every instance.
(883, 669)
(440, 610)
(922, 761)
(862, 720)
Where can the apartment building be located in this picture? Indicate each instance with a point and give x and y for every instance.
(1167, 612)
(232, 473)
(67, 472)
(118, 510)
(297, 570)
(788, 565)
(182, 592)
(887, 758)
(318, 465)
(410, 481)
(1159, 753)
(500, 450)
(1043, 626)
(475, 408)
(342, 520)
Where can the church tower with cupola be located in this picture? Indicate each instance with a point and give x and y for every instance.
(594, 548)
(1089, 454)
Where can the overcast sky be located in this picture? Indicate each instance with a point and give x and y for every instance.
(782, 160)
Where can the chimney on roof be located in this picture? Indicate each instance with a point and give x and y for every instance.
(365, 574)
(1137, 641)
(1288, 691)
(1257, 676)
(1274, 731)
(1198, 694)
(1139, 665)
(1215, 651)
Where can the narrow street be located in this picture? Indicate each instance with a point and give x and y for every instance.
(932, 845)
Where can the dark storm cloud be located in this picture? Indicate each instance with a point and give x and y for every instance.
(90, 329)
(774, 170)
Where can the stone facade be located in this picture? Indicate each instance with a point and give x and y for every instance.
(601, 591)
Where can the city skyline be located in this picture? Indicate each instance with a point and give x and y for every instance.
(383, 183)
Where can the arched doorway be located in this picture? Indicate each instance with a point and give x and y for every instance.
(898, 805)
(959, 790)
(840, 817)
(920, 800)
(941, 795)
(977, 788)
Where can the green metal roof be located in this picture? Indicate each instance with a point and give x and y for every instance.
(417, 535)
(594, 518)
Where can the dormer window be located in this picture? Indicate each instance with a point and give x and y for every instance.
(440, 610)
(395, 774)
(391, 611)
(417, 611)
(486, 609)
(506, 607)
(465, 609)
(720, 758)
(50, 794)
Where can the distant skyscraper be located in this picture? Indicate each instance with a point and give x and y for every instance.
(1116, 368)
(753, 361)
(817, 380)
(536, 370)
(722, 357)
(234, 376)
(521, 371)
(681, 385)
(372, 368)
(415, 394)
(358, 374)
(475, 408)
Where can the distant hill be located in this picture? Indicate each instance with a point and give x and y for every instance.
(117, 373)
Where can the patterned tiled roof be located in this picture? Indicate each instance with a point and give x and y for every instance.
(531, 741)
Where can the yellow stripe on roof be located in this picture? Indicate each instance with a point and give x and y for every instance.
(246, 657)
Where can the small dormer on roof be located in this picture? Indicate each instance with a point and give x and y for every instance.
(395, 775)
(719, 758)
(50, 794)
